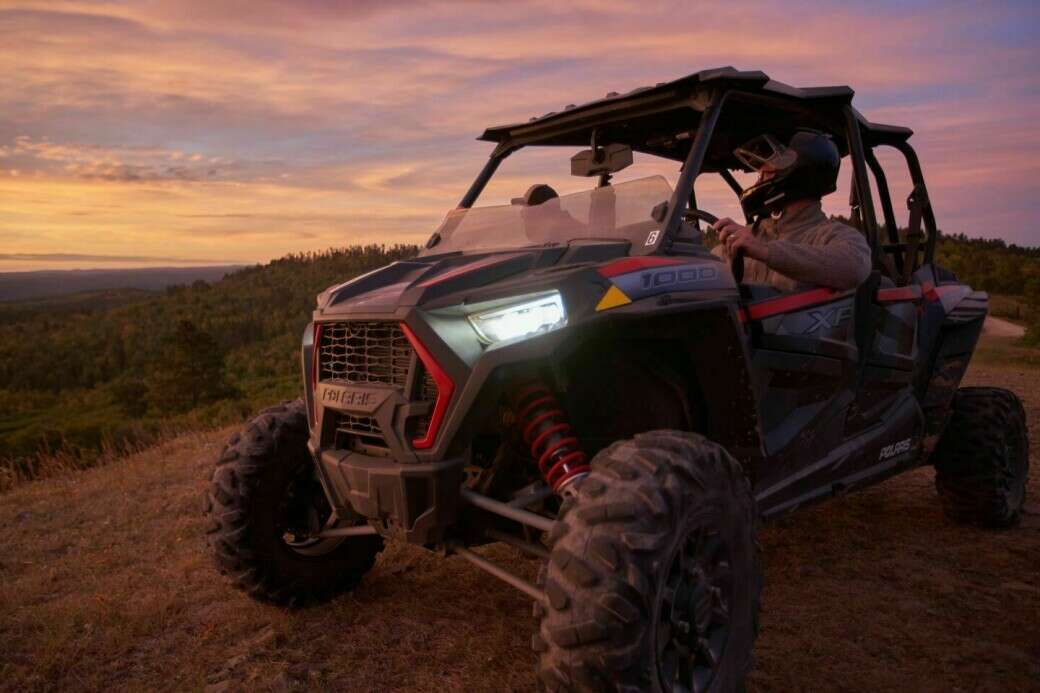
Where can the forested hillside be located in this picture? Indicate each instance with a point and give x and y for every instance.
(993, 265)
(83, 375)
(1010, 273)
(19, 286)
(117, 369)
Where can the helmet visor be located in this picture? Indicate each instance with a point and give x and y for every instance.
(763, 153)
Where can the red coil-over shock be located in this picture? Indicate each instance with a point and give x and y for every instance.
(546, 431)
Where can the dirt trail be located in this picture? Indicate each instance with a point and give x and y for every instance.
(997, 327)
(105, 583)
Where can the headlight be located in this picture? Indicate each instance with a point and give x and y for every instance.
(528, 317)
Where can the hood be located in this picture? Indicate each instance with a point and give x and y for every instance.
(431, 280)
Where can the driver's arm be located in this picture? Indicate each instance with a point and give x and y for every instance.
(839, 258)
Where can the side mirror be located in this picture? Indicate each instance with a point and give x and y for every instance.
(595, 162)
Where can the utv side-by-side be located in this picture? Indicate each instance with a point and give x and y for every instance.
(579, 377)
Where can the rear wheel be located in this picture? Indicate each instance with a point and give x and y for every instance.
(654, 579)
(982, 460)
(265, 508)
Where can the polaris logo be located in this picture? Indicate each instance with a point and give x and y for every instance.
(894, 449)
(350, 398)
(347, 398)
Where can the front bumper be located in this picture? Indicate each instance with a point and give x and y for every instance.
(416, 502)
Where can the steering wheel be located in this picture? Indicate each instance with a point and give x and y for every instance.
(737, 263)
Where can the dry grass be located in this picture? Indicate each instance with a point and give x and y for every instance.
(67, 459)
(105, 583)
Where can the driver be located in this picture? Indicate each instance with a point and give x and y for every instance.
(793, 245)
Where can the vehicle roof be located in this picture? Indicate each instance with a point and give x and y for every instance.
(660, 119)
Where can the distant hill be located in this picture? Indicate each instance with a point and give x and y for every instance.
(41, 283)
(116, 367)
(70, 304)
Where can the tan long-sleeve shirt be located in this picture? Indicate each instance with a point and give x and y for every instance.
(806, 249)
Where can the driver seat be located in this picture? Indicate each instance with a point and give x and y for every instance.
(536, 195)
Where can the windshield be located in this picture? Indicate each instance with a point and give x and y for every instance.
(611, 212)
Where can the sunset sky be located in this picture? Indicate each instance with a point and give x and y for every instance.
(169, 132)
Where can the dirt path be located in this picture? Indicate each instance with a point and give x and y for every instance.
(997, 327)
(104, 583)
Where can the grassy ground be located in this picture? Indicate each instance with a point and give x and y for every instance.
(1013, 308)
(1006, 354)
(105, 583)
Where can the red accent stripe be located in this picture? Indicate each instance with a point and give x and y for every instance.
(466, 269)
(786, 304)
(903, 293)
(634, 264)
(929, 291)
(445, 389)
(935, 293)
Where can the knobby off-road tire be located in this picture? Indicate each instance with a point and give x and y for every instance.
(262, 469)
(660, 536)
(982, 459)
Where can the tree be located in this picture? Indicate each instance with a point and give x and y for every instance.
(191, 371)
(131, 396)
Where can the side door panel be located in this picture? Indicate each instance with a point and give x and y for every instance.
(888, 369)
(812, 382)
(805, 357)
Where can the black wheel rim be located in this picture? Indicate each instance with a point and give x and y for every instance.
(303, 513)
(694, 616)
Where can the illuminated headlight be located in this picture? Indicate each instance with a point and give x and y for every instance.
(524, 319)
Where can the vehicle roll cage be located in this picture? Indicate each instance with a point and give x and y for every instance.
(680, 120)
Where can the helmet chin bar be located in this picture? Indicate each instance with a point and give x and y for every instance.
(807, 167)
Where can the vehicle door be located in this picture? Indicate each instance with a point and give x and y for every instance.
(805, 359)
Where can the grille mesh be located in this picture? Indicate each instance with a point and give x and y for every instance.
(428, 389)
(352, 429)
(364, 352)
(357, 425)
(427, 393)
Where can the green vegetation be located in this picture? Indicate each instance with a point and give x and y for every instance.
(104, 372)
(1006, 353)
(1012, 308)
(1010, 272)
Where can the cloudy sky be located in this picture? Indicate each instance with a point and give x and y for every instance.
(168, 130)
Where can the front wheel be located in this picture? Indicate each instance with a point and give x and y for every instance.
(654, 578)
(265, 508)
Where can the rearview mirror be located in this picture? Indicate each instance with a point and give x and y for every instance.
(595, 162)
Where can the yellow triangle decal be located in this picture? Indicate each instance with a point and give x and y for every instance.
(612, 299)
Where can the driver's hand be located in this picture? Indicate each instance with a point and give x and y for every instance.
(736, 236)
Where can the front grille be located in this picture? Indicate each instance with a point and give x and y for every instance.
(364, 352)
(372, 353)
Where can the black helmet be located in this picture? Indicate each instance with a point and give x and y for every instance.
(806, 167)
